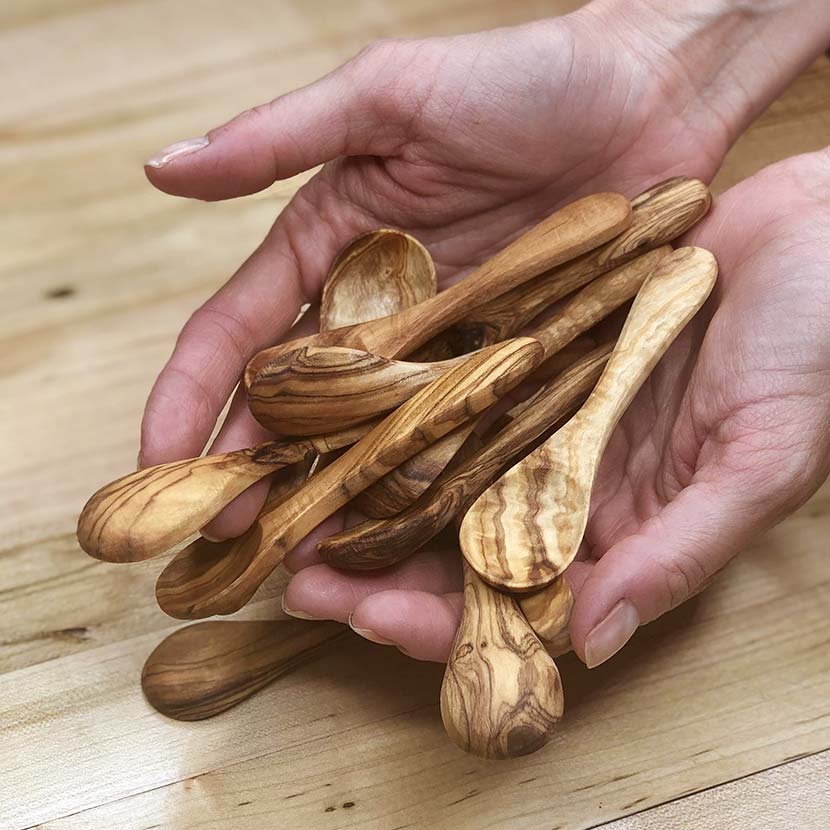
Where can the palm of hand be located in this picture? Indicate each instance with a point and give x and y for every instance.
(714, 451)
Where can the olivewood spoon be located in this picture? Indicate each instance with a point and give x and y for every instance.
(524, 530)
(378, 273)
(150, 511)
(502, 695)
(565, 234)
(659, 215)
(199, 583)
(204, 669)
(548, 611)
(322, 389)
(146, 513)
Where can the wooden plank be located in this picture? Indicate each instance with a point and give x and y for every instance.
(794, 795)
(734, 682)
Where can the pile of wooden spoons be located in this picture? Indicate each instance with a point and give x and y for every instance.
(494, 424)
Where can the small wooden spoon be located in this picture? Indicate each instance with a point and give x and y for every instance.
(523, 531)
(149, 511)
(204, 669)
(565, 234)
(322, 389)
(378, 273)
(194, 585)
(501, 696)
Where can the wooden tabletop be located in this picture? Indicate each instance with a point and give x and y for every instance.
(717, 716)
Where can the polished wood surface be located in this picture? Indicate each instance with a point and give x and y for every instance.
(699, 722)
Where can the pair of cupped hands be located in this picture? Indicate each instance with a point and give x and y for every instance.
(465, 142)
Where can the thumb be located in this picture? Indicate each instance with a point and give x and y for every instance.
(672, 557)
(351, 111)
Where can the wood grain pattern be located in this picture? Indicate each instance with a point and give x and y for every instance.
(658, 216)
(195, 586)
(377, 274)
(501, 696)
(549, 612)
(207, 668)
(570, 231)
(380, 543)
(525, 529)
(314, 390)
(97, 86)
(150, 511)
(404, 485)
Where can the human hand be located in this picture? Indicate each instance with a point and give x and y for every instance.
(729, 434)
(464, 142)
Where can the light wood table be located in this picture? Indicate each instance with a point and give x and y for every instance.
(718, 716)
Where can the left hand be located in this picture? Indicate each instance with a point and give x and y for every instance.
(729, 435)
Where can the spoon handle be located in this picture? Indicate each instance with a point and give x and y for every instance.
(659, 215)
(667, 301)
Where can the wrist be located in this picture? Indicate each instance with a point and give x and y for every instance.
(724, 58)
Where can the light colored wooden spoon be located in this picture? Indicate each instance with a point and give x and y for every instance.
(501, 696)
(323, 389)
(565, 234)
(196, 584)
(525, 529)
(207, 668)
(378, 273)
(149, 511)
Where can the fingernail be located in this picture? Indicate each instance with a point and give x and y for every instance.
(370, 635)
(300, 615)
(606, 638)
(174, 151)
(210, 538)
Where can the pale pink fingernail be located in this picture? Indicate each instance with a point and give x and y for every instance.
(370, 635)
(177, 150)
(300, 615)
(607, 637)
(209, 538)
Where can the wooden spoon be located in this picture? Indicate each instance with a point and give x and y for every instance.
(502, 695)
(323, 389)
(147, 512)
(524, 530)
(565, 234)
(380, 543)
(377, 274)
(196, 585)
(204, 669)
